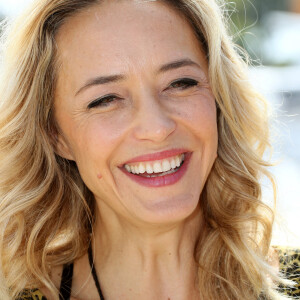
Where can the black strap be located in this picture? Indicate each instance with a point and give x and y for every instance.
(91, 261)
(66, 282)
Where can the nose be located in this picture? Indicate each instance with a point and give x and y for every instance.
(154, 122)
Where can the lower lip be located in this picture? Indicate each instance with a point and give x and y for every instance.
(161, 181)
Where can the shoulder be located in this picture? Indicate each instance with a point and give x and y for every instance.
(289, 265)
(33, 294)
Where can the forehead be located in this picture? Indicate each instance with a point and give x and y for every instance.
(122, 34)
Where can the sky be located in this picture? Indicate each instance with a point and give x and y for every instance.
(12, 7)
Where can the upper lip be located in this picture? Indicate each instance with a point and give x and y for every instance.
(156, 156)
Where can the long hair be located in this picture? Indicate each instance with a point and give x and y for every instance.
(46, 211)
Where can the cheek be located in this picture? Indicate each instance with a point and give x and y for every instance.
(95, 141)
(199, 115)
(200, 118)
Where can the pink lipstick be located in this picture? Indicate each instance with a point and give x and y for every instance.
(149, 172)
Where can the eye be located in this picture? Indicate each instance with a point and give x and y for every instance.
(183, 83)
(103, 101)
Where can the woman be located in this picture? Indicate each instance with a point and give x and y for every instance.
(131, 149)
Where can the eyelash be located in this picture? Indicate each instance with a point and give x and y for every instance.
(185, 83)
(103, 101)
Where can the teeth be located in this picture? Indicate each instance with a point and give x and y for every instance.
(142, 169)
(157, 167)
(177, 161)
(149, 168)
(173, 163)
(166, 165)
(132, 169)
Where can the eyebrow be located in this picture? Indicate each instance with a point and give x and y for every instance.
(178, 64)
(100, 80)
(116, 78)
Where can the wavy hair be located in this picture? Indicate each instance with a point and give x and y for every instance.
(46, 211)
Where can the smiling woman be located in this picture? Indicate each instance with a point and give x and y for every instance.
(151, 107)
(131, 147)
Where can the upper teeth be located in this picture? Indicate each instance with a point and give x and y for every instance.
(157, 166)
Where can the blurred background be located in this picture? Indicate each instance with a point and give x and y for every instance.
(269, 30)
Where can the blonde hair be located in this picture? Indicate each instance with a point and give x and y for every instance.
(46, 211)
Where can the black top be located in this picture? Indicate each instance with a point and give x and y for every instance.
(66, 282)
(67, 275)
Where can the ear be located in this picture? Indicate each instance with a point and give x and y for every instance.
(62, 147)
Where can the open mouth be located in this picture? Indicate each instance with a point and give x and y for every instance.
(159, 172)
(159, 168)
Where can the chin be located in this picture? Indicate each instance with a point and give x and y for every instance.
(170, 210)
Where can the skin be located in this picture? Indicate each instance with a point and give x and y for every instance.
(143, 237)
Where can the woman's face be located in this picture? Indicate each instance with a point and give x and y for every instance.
(133, 96)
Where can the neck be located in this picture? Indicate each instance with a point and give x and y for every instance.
(114, 232)
(147, 254)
